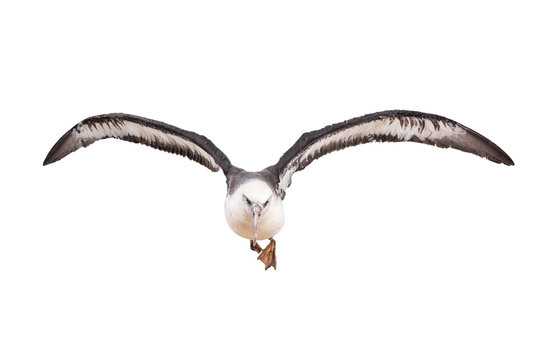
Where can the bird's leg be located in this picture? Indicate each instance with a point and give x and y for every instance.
(267, 256)
(255, 246)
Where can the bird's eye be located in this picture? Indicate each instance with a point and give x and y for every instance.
(266, 203)
(248, 201)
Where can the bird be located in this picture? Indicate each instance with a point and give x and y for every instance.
(254, 199)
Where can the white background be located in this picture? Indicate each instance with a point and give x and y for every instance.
(390, 251)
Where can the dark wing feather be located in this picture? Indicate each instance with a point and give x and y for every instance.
(137, 129)
(393, 126)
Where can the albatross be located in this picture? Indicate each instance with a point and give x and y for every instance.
(253, 205)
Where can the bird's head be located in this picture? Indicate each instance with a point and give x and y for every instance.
(254, 211)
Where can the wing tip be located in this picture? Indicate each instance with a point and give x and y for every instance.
(52, 157)
(47, 161)
(508, 161)
(64, 146)
(499, 156)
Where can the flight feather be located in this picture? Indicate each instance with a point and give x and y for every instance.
(386, 126)
(138, 129)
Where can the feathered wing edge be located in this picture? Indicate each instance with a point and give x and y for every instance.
(137, 129)
(386, 126)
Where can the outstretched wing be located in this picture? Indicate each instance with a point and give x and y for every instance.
(394, 126)
(137, 129)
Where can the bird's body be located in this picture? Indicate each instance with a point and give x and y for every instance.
(253, 205)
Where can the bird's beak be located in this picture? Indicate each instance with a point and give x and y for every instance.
(257, 209)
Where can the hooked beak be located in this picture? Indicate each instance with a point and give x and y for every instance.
(256, 209)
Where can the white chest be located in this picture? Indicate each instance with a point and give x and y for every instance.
(241, 222)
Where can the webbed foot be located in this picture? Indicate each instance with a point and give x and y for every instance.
(267, 256)
(255, 246)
